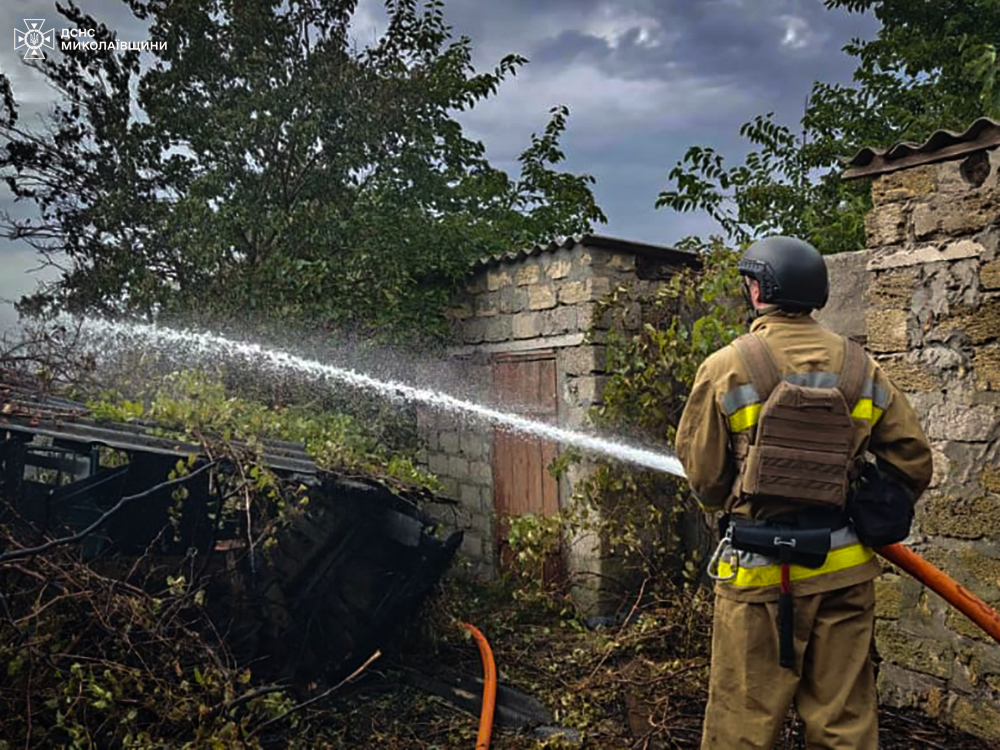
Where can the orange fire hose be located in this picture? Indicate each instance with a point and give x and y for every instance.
(941, 583)
(489, 688)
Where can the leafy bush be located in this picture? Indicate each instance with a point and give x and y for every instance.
(636, 512)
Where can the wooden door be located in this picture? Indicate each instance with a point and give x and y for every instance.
(524, 384)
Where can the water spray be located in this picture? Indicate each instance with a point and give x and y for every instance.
(208, 344)
(202, 344)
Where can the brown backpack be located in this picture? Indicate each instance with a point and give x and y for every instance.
(800, 449)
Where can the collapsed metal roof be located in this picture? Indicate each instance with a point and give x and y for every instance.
(27, 411)
(614, 244)
(942, 145)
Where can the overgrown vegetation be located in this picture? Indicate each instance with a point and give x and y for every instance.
(123, 651)
(199, 407)
(637, 514)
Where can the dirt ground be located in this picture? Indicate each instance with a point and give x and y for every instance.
(639, 685)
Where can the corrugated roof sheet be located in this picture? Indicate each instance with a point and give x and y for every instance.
(941, 146)
(26, 411)
(614, 244)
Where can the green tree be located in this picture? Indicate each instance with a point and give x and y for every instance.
(262, 167)
(932, 65)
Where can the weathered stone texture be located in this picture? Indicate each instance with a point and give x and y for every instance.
(473, 444)
(528, 274)
(513, 300)
(497, 279)
(541, 297)
(903, 185)
(561, 320)
(900, 646)
(559, 269)
(622, 261)
(980, 324)
(967, 564)
(903, 688)
(957, 421)
(989, 478)
(888, 597)
(887, 330)
(583, 360)
(933, 321)
(586, 290)
(892, 289)
(908, 376)
(586, 389)
(989, 275)
(962, 625)
(976, 717)
(459, 312)
(986, 365)
(526, 326)
(886, 225)
(975, 211)
(959, 517)
(488, 306)
(923, 254)
(448, 442)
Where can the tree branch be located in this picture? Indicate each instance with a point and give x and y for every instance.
(31, 551)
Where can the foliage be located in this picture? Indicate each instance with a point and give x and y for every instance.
(590, 679)
(126, 652)
(200, 408)
(932, 65)
(261, 168)
(96, 662)
(635, 684)
(637, 513)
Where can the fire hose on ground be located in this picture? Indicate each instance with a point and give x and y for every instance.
(489, 688)
(903, 557)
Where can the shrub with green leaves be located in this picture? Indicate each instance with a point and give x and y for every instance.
(636, 512)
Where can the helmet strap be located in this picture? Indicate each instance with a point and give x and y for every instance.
(752, 312)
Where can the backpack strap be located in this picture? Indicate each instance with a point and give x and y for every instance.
(852, 372)
(760, 365)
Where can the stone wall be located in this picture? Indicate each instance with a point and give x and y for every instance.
(528, 302)
(459, 454)
(845, 310)
(933, 323)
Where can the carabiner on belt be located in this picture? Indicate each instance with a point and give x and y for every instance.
(728, 551)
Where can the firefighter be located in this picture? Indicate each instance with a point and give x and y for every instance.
(827, 672)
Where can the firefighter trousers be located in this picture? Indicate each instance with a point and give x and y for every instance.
(832, 685)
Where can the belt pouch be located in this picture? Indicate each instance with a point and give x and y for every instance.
(806, 547)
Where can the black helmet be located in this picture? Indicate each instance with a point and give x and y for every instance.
(791, 273)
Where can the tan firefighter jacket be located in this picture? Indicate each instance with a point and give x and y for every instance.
(723, 403)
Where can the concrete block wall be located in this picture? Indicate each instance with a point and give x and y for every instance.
(458, 452)
(932, 309)
(540, 301)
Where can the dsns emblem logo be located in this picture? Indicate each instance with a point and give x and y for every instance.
(33, 39)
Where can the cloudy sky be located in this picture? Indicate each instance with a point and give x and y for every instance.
(644, 79)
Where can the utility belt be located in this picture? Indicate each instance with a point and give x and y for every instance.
(799, 539)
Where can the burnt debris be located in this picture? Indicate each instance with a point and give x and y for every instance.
(341, 572)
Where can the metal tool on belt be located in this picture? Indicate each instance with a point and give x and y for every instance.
(808, 547)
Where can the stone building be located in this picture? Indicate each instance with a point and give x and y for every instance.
(520, 324)
(925, 297)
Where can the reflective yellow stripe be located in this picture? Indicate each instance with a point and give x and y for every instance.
(745, 418)
(865, 409)
(770, 575)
